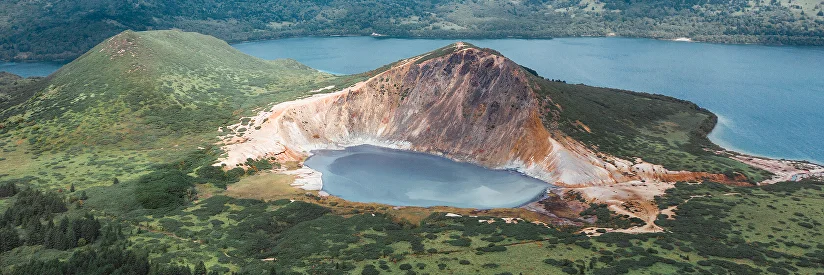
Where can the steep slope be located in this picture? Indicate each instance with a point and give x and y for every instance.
(462, 102)
(659, 129)
(14, 90)
(139, 87)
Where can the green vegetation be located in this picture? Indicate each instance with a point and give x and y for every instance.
(605, 218)
(164, 189)
(232, 235)
(156, 86)
(82, 194)
(35, 30)
(14, 90)
(135, 100)
(716, 229)
(659, 129)
(97, 249)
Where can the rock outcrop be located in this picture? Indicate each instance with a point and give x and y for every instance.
(462, 102)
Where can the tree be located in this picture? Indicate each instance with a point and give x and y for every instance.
(82, 242)
(83, 196)
(71, 188)
(8, 190)
(8, 238)
(200, 269)
(820, 13)
(116, 181)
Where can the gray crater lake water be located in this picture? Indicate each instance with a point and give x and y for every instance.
(368, 173)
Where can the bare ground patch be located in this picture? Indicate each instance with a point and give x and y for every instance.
(266, 186)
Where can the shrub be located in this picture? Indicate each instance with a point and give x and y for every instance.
(8, 189)
(569, 270)
(465, 242)
(405, 266)
(492, 248)
(163, 189)
(493, 239)
(370, 270)
(217, 176)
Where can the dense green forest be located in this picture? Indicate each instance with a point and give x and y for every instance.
(62, 30)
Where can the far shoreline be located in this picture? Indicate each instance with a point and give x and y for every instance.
(674, 38)
(713, 135)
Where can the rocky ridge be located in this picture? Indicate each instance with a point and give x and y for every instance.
(461, 102)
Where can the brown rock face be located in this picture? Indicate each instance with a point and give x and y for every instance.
(468, 104)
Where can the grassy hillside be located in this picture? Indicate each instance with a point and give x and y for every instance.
(49, 30)
(14, 90)
(138, 98)
(658, 129)
(100, 173)
(154, 85)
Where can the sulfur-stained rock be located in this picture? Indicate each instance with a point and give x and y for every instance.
(466, 103)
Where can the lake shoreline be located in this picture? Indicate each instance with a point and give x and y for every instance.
(424, 179)
(728, 135)
(672, 38)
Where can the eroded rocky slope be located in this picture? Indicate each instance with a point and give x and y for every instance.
(465, 103)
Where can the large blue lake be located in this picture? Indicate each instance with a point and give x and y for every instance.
(374, 174)
(770, 100)
(30, 69)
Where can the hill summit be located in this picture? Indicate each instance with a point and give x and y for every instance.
(473, 104)
(137, 87)
(150, 90)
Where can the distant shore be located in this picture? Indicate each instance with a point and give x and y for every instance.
(714, 39)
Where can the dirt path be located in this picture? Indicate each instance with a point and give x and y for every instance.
(635, 199)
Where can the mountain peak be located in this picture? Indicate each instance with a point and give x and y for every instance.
(143, 81)
(454, 48)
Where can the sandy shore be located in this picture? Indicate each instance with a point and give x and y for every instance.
(784, 170)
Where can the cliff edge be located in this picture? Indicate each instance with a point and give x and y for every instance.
(462, 102)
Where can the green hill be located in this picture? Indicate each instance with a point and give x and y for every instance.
(136, 99)
(136, 88)
(14, 90)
